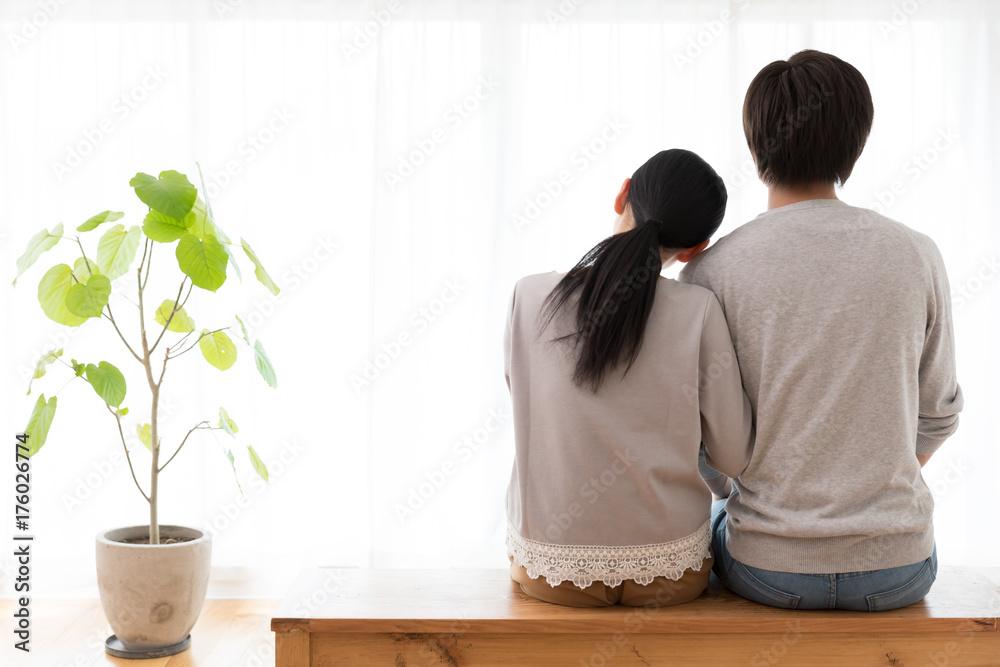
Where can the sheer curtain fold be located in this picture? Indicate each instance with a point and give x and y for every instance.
(397, 166)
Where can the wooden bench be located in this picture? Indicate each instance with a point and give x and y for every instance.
(406, 618)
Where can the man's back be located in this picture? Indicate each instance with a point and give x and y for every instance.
(841, 321)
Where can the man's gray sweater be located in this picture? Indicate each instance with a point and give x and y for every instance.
(841, 321)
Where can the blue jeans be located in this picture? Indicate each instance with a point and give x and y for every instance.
(872, 590)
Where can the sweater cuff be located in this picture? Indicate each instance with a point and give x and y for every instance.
(927, 445)
(706, 471)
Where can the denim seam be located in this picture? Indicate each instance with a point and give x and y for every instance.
(927, 565)
(795, 599)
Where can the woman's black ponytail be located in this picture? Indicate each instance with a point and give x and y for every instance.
(677, 201)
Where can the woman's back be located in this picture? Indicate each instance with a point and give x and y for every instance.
(619, 467)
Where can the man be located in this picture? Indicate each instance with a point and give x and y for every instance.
(841, 322)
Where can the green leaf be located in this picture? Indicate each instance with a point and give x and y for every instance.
(46, 359)
(201, 177)
(121, 412)
(39, 422)
(227, 244)
(78, 368)
(172, 194)
(258, 465)
(218, 349)
(264, 366)
(116, 250)
(180, 322)
(232, 462)
(203, 261)
(85, 269)
(89, 299)
(108, 382)
(227, 424)
(144, 431)
(244, 328)
(163, 228)
(201, 223)
(39, 243)
(52, 292)
(259, 270)
(99, 219)
(205, 225)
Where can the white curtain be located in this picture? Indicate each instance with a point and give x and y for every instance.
(397, 166)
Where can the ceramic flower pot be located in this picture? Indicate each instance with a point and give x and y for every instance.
(152, 594)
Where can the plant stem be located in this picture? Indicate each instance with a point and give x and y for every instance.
(154, 445)
(125, 447)
(180, 341)
(173, 312)
(195, 344)
(190, 287)
(163, 371)
(142, 286)
(85, 260)
(64, 386)
(154, 439)
(120, 335)
(145, 249)
(193, 429)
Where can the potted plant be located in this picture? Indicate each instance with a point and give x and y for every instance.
(152, 579)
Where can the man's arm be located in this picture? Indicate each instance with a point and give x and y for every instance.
(940, 398)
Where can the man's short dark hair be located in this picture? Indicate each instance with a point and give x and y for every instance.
(806, 119)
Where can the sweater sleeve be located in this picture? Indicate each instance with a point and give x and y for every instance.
(726, 418)
(714, 480)
(507, 336)
(940, 395)
(707, 472)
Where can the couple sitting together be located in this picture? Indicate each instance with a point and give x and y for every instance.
(800, 372)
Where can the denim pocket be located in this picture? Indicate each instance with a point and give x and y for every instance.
(743, 582)
(912, 591)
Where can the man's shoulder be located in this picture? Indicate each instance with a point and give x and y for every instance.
(696, 271)
(899, 235)
(758, 234)
(884, 222)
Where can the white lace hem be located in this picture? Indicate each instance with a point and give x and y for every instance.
(585, 564)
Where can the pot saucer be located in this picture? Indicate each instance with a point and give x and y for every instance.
(114, 647)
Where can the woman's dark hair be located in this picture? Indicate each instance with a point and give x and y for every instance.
(807, 119)
(677, 202)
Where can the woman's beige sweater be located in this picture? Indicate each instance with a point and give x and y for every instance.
(605, 486)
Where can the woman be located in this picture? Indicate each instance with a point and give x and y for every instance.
(617, 377)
